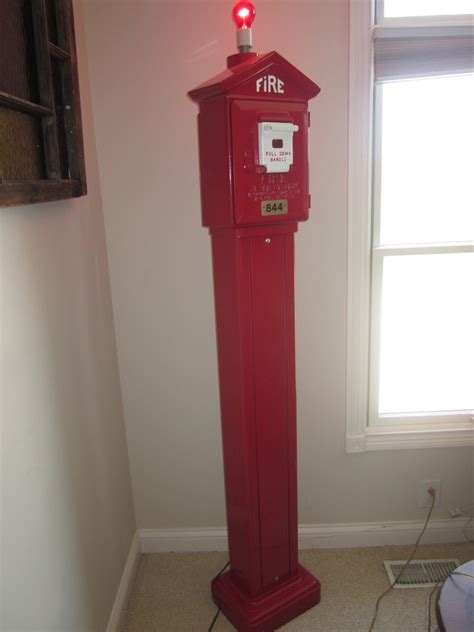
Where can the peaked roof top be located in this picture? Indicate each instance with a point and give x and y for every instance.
(233, 77)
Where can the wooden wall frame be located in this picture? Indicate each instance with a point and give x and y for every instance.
(65, 175)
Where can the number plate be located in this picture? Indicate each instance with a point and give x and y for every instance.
(274, 207)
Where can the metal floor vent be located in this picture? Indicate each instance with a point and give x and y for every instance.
(420, 573)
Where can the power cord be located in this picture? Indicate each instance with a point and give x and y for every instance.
(458, 511)
(219, 609)
(464, 531)
(432, 493)
(214, 620)
(461, 573)
(432, 592)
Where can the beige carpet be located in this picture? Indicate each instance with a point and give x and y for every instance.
(171, 591)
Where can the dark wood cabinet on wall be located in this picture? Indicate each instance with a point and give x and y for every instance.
(41, 146)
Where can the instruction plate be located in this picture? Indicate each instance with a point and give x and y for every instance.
(274, 207)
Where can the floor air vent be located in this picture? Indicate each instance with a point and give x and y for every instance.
(420, 573)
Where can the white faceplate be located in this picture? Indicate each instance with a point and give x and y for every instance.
(275, 146)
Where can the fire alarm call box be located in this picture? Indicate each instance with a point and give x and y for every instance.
(253, 143)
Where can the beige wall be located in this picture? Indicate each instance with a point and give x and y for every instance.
(144, 57)
(67, 512)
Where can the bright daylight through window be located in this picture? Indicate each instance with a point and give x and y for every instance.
(427, 311)
(414, 293)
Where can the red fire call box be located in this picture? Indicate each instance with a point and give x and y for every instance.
(253, 143)
(253, 148)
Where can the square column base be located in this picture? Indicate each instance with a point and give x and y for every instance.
(273, 608)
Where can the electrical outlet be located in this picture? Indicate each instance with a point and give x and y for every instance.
(424, 498)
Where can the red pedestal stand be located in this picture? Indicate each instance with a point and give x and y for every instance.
(254, 296)
(253, 144)
(270, 610)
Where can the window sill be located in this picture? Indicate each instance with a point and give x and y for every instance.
(19, 193)
(410, 438)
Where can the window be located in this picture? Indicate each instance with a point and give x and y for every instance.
(411, 225)
(41, 151)
(410, 8)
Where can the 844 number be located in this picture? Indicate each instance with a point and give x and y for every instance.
(275, 207)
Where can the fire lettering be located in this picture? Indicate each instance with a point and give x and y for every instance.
(270, 83)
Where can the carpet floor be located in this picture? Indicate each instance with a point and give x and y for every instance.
(171, 591)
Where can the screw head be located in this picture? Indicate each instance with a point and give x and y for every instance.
(268, 240)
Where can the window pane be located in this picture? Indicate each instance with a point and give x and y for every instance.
(401, 8)
(21, 155)
(427, 186)
(427, 336)
(17, 55)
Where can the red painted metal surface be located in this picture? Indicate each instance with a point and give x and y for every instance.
(237, 80)
(250, 188)
(270, 347)
(271, 609)
(232, 182)
(253, 265)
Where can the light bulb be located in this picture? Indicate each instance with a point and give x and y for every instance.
(243, 14)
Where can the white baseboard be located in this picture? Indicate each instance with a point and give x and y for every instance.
(439, 531)
(183, 540)
(323, 536)
(125, 585)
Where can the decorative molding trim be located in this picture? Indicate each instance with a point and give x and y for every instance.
(380, 534)
(414, 439)
(183, 540)
(322, 536)
(359, 210)
(125, 585)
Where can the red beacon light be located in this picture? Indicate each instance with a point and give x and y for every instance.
(243, 15)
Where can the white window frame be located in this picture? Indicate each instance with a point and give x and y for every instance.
(418, 431)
